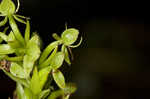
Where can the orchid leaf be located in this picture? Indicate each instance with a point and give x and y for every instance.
(44, 94)
(59, 78)
(48, 50)
(57, 60)
(27, 65)
(33, 49)
(4, 21)
(34, 85)
(27, 32)
(43, 75)
(11, 36)
(37, 39)
(16, 30)
(11, 40)
(15, 45)
(4, 31)
(6, 49)
(20, 91)
(3, 36)
(56, 94)
(49, 59)
(17, 70)
(28, 93)
(32, 54)
(23, 93)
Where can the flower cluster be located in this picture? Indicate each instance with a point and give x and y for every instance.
(22, 59)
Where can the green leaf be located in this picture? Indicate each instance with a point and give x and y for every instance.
(59, 78)
(43, 75)
(57, 60)
(4, 36)
(4, 31)
(44, 94)
(19, 51)
(65, 51)
(65, 93)
(22, 81)
(6, 49)
(15, 45)
(49, 82)
(17, 70)
(38, 39)
(20, 91)
(11, 36)
(28, 93)
(15, 30)
(3, 22)
(19, 19)
(33, 49)
(48, 50)
(27, 31)
(28, 65)
(70, 88)
(32, 54)
(7, 7)
(34, 84)
(49, 59)
(69, 36)
(11, 40)
(56, 94)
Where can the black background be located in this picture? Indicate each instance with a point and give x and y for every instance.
(113, 59)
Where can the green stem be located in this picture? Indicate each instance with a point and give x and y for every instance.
(22, 81)
(18, 58)
(35, 96)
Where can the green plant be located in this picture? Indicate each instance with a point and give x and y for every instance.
(31, 68)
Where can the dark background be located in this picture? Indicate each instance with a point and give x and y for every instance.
(113, 59)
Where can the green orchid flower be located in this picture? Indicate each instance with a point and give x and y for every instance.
(7, 9)
(68, 37)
